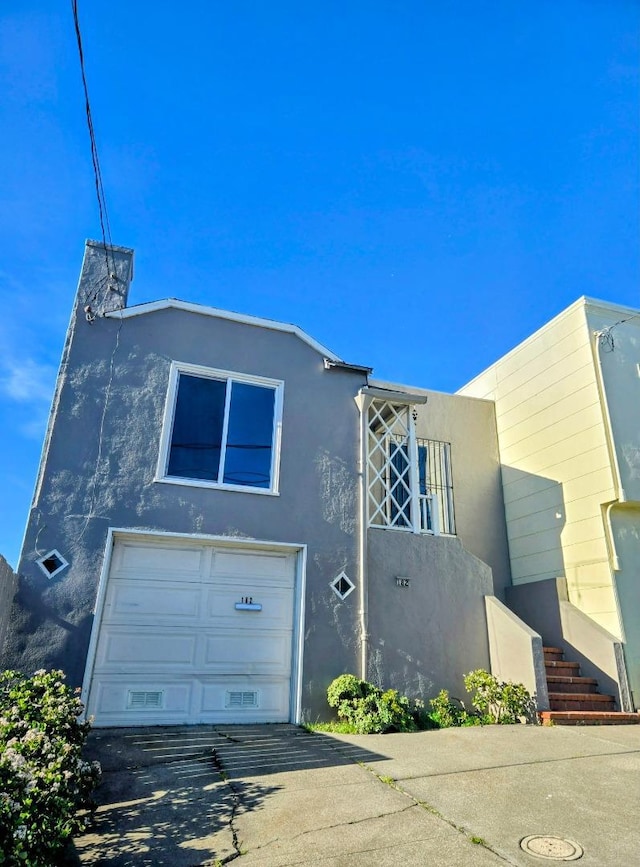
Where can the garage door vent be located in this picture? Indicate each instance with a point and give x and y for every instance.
(241, 699)
(141, 700)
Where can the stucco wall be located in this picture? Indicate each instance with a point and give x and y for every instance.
(556, 467)
(626, 534)
(427, 636)
(470, 426)
(618, 358)
(102, 457)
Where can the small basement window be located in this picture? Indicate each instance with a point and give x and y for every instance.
(52, 563)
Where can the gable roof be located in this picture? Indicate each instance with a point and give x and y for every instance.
(217, 313)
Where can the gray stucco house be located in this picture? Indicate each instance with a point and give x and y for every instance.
(227, 516)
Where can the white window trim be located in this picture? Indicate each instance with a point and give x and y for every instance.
(178, 367)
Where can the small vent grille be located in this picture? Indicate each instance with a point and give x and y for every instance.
(242, 699)
(144, 700)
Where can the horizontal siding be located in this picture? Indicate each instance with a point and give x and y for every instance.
(556, 467)
(535, 356)
(576, 476)
(548, 564)
(588, 426)
(550, 402)
(523, 383)
(560, 410)
(577, 532)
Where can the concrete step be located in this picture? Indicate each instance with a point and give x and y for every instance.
(588, 718)
(581, 701)
(566, 683)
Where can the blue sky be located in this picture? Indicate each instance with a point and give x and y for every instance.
(417, 184)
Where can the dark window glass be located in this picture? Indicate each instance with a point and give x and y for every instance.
(249, 436)
(197, 428)
(422, 468)
(399, 482)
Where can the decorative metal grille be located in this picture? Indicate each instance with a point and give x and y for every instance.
(144, 700)
(436, 486)
(242, 698)
(389, 464)
(409, 480)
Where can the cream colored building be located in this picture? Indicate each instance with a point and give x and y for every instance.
(567, 405)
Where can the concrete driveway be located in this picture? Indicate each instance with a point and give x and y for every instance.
(263, 796)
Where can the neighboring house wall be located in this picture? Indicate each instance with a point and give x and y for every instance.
(556, 466)
(8, 584)
(615, 337)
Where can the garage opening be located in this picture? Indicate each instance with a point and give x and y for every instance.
(172, 645)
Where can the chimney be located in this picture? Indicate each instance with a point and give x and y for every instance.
(107, 272)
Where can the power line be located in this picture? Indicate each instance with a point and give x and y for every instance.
(97, 173)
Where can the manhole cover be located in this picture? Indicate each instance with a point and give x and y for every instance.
(551, 848)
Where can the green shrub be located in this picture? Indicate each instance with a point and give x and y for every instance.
(367, 708)
(493, 702)
(43, 778)
(501, 702)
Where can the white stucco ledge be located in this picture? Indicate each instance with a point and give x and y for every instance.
(515, 651)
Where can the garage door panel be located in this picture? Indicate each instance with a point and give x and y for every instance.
(146, 647)
(135, 698)
(142, 600)
(260, 653)
(245, 563)
(145, 701)
(245, 700)
(158, 558)
(276, 612)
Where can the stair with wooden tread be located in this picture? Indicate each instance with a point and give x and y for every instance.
(575, 700)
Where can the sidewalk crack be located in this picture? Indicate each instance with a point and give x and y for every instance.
(236, 803)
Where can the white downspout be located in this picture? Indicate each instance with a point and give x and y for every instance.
(613, 457)
(363, 404)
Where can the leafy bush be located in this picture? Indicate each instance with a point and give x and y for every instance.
(494, 702)
(502, 702)
(43, 779)
(367, 708)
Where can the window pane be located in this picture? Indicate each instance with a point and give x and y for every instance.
(422, 468)
(399, 485)
(249, 436)
(197, 428)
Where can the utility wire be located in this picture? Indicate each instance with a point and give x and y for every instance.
(102, 201)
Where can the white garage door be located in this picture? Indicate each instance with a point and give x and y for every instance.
(194, 633)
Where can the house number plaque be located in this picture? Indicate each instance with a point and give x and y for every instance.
(247, 604)
(403, 582)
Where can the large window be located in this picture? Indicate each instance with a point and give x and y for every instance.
(221, 429)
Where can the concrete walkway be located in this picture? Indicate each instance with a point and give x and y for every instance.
(270, 796)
